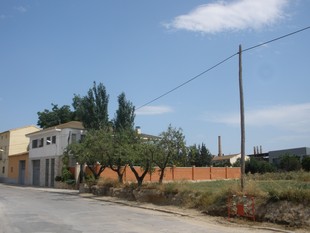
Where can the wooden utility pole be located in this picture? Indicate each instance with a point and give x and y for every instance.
(242, 121)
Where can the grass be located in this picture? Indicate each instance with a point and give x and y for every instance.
(290, 186)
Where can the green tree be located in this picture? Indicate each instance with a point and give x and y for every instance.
(253, 165)
(56, 116)
(94, 150)
(92, 109)
(193, 155)
(144, 152)
(125, 114)
(121, 152)
(306, 163)
(199, 156)
(205, 157)
(171, 150)
(290, 163)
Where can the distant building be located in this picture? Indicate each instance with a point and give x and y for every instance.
(12, 142)
(275, 156)
(46, 149)
(226, 160)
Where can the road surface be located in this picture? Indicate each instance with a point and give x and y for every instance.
(30, 210)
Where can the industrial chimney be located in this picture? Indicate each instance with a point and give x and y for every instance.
(220, 146)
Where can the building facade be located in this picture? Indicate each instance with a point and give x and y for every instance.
(275, 156)
(46, 149)
(13, 142)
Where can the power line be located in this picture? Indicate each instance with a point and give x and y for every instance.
(278, 38)
(188, 81)
(219, 63)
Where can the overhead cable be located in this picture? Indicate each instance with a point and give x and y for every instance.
(219, 63)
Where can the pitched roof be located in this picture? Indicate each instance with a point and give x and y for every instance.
(70, 124)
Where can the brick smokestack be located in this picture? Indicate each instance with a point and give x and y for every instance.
(220, 146)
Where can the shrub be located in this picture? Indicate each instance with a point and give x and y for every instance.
(306, 163)
(58, 178)
(290, 163)
(258, 166)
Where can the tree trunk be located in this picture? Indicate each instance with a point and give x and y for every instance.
(95, 173)
(140, 178)
(162, 173)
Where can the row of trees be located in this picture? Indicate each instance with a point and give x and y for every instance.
(115, 144)
(286, 163)
(117, 149)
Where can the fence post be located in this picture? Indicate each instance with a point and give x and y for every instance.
(226, 172)
(77, 173)
(193, 172)
(210, 173)
(173, 167)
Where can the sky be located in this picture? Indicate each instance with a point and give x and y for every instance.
(52, 50)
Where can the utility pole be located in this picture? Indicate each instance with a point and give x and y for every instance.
(242, 121)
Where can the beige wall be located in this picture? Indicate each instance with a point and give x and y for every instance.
(18, 141)
(13, 142)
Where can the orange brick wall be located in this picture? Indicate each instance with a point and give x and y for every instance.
(178, 173)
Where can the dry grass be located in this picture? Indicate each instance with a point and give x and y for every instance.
(292, 186)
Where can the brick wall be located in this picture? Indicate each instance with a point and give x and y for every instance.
(179, 173)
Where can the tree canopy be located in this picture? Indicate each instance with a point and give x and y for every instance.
(125, 114)
(92, 109)
(171, 150)
(56, 116)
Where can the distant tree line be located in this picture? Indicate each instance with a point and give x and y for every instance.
(287, 163)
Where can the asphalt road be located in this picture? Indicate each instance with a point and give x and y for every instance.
(30, 210)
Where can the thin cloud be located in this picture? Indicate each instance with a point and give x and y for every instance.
(154, 110)
(231, 16)
(21, 9)
(287, 117)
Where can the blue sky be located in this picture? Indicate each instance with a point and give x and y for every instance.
(51, 50)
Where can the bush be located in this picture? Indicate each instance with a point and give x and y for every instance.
(258, 166)
(66, 175)
(305, 163)
(58, 178)
(290, 163)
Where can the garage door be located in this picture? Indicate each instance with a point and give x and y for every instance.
(36, 172)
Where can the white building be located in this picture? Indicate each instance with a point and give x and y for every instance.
(46, 149)
(227, 160)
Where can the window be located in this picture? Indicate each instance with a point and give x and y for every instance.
(35, 143)
(40, 142)
(54, 140)
(48, 140)
(82, 137)
(73, 138)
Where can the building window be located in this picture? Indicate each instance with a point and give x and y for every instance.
(54, 140)
(40, 142)
(48, 140)
(82, 137)
(35, 143)
(73, 138)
